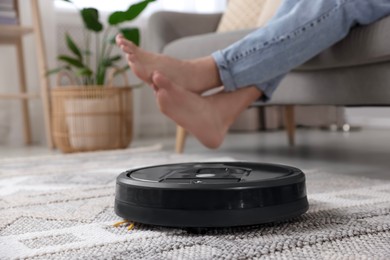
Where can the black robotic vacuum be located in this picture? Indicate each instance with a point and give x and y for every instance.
(202, 195)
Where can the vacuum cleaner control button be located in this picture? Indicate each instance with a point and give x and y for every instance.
(205, 175)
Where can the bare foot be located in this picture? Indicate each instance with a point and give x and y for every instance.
(196, 114)
(207, 118)
(196, 75)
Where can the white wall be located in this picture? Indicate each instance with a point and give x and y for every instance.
(370, 117)
(201, 6)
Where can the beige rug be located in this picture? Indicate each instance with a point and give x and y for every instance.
(61, 207)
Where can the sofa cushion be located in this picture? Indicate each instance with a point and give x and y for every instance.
(366, 85)
(241, 15)
(269, 9)
(364, 45)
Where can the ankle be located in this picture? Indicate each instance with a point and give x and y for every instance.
(207, 70)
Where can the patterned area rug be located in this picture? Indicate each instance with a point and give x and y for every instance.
(61, 207)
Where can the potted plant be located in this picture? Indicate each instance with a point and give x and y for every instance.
(91, 114)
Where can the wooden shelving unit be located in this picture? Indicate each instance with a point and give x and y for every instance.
(12, 31)
(13, 35)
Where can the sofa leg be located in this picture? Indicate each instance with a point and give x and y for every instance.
(180, 139)
(289, 121)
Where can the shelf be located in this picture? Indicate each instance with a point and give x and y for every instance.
(18, 96)
(12, 35)
(13, 31)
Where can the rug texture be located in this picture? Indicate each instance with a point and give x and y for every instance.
(61, 207)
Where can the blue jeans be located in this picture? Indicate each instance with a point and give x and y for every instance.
(300, 30)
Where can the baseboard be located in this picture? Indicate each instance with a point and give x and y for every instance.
(378, 122)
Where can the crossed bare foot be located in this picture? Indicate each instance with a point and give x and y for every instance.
(198, 115)
(178, 85)
(207, 118)
(196, 75)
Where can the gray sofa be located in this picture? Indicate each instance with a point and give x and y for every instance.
(354, 72)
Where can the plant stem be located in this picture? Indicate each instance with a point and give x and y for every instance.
(105, 40)
(88, 53)
(109, 49)
(102, 69)
(98, 61)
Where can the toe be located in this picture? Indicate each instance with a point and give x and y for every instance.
(118, 39)
(126, 49)
(161, 81)
(131, 57)
(129, 46)
(163, 100)
(126, 45)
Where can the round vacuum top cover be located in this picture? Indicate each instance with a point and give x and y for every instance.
(211, 194)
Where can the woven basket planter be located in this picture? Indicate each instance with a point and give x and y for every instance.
(90, 118)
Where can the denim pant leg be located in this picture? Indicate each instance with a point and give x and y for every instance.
(300, 30)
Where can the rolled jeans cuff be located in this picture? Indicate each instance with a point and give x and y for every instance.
(224, 72)
(267, 88)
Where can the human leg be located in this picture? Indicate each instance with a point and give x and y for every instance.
(196, 75)
(299, 31)
(207, 118)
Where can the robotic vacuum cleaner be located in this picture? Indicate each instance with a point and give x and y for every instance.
(202, 195)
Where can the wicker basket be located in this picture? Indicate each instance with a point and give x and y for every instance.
(90, 118)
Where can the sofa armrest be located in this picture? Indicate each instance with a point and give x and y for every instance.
(165, 27)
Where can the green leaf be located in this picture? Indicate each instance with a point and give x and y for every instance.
(131, 34)
(91, 19)
(87, 52)
(121, 70)
(101, 75)
(111, 39)
(54, 71)
(132, 12)
(84, 72)
(115, 58)
(110, 61)
(117, 18)
(73, 47)
(71, 61)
